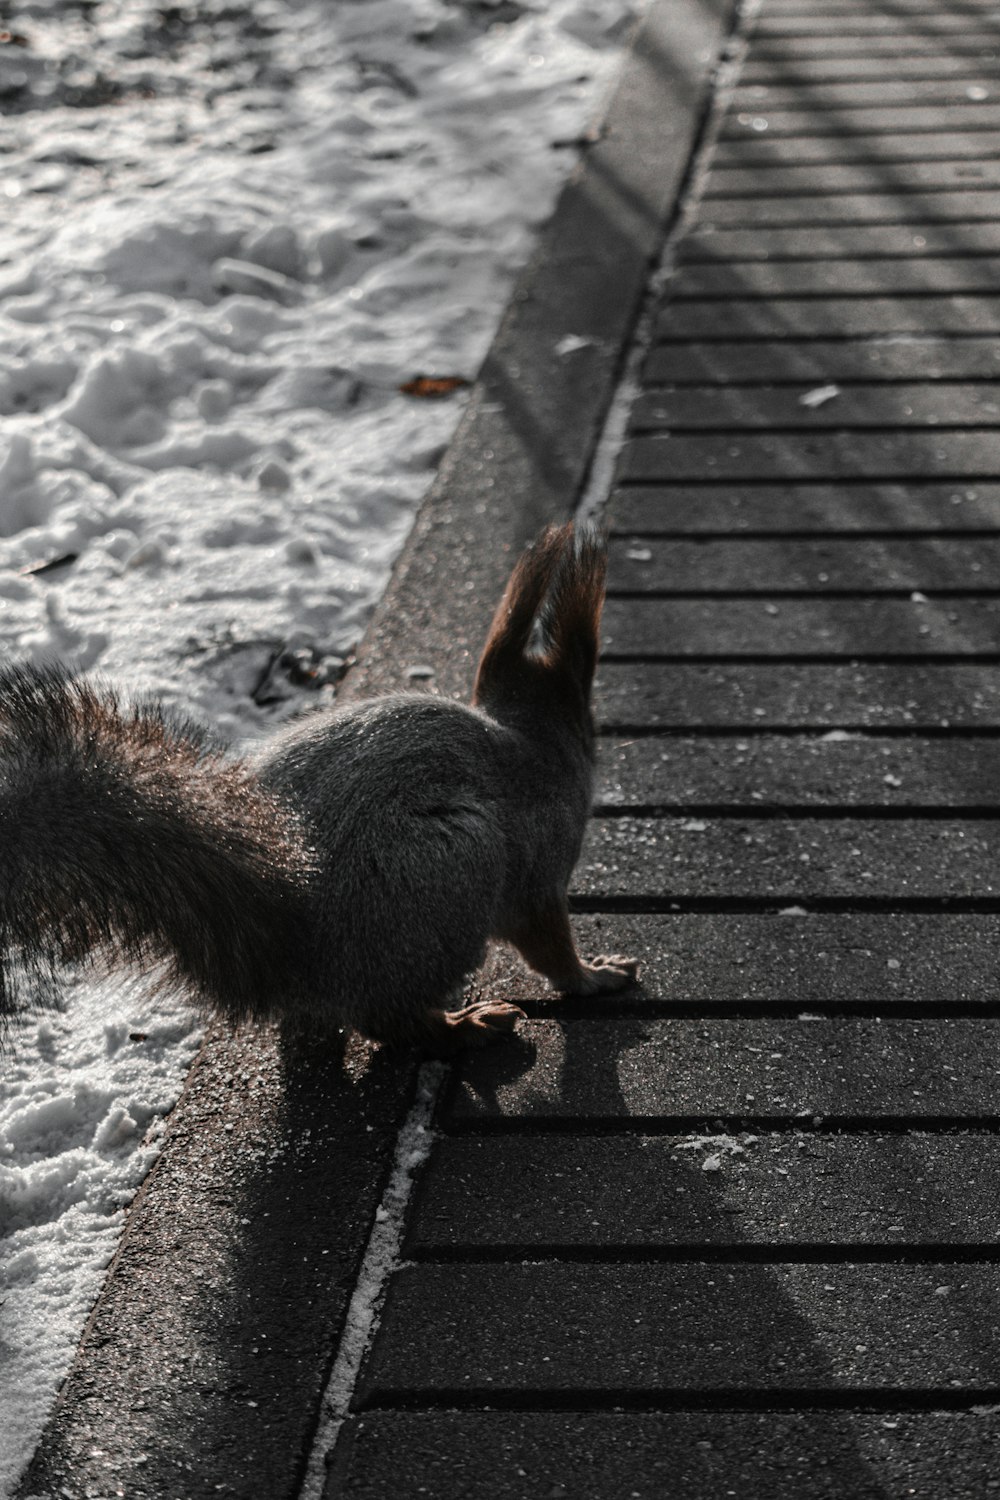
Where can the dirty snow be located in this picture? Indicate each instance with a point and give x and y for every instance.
(229, 236)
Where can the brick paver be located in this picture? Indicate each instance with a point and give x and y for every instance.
(736, 1234)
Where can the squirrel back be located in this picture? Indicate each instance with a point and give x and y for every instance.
(350, 873)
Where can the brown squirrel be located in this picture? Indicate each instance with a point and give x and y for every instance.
(351, 872)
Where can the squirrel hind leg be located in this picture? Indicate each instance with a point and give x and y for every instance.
(607, 974)
(477, 1025)
(545, 942)
(445, 1032)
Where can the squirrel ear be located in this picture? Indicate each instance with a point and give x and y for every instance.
(522, 601)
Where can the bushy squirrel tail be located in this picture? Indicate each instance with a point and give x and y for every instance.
(126, 835)
(549, 617)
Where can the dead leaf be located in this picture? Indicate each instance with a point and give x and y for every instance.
(434, 386)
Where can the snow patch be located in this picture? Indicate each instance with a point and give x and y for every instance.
(81, 1110)
(819, 396)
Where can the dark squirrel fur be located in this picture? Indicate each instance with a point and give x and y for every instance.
(350, 873)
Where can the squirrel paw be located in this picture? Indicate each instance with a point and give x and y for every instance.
(608, 973)
(476, 1025)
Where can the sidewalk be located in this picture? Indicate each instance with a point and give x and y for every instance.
(735, 1234)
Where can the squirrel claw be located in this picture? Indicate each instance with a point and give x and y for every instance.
(478, 1024)
(608, 973)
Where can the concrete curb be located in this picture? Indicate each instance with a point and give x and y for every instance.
(523, 449)
(201, 1368)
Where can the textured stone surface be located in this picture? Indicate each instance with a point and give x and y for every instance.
(830, 316)
(862, 177)
(887, 119)
(778, 695)
(685, 771)
(885, 92)
(790, 859)
(861, 510)
(775, 1193)
(779, 66)
(464, 1331)
(966, 455)
(817, 277)
(593, 1455)
(906, 404)
(739, 1071)
(769, 359)
(875, 565)
(711, 961)
(935, 205)
(832, 241)
(946, 22)
(814, 626)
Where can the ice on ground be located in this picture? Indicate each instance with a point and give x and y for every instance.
(230, 235)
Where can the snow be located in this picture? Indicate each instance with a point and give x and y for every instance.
(819, 396)
(81, 1115)
(215, 286)
(230, 235)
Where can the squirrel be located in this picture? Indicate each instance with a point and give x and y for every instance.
(348, 874)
